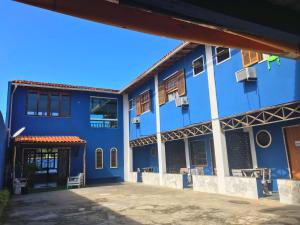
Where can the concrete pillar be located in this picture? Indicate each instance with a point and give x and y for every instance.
(127, 149)
(218, 134)
(160, 145)
(252, 146)
(187, 153)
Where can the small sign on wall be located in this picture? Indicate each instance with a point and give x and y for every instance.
(297, 143)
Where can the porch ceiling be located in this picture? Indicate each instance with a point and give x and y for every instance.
(49, 140)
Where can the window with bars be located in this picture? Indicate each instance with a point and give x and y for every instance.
(143, 103)
(99, 158)
(113, 158)
(172, 87)
(249, 58)
(198, 153)
(48, 104)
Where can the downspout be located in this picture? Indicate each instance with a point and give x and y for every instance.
(10, 114)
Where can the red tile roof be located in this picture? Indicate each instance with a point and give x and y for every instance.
(50, 139)
(62, 86)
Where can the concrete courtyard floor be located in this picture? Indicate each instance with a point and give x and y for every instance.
(140, 204)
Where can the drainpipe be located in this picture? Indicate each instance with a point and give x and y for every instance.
(10, 114)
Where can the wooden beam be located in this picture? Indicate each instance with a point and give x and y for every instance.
(144, 21)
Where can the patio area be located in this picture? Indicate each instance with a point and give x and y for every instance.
(142, 204)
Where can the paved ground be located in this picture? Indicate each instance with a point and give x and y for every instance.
(140, 204)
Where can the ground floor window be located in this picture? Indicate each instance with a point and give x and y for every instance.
(113, 158)
(198, 153)
(99, 158)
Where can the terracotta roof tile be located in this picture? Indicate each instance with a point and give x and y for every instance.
(62, 86)
(49, 139)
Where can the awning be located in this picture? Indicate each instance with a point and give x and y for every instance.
(49, 140)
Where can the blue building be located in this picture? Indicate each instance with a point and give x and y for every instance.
(216, 119)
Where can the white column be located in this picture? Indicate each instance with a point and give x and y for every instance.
(218, 134)
(160, 146)
(252, 146)
(187, 153)
(127, 150)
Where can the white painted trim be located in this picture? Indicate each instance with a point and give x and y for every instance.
(117, 164)
(252, 146)
(92, 96)
(96, 151)
(263, 130)
(144, 92)
(130, 109)
(187, 153)
(173, 74)
(218, 63)
(128, 166)
(195, 75)
(160, 146)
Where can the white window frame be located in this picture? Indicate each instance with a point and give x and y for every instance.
(194, 75)
(116, 120)
(96, 151)
(130, 100)
(257, 142)
(218, 63)
(113, 148)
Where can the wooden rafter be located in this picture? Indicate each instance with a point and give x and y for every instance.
(191, 131)
(143, 141)
(269, 115)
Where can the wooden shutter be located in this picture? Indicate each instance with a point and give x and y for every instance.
(250, 57)
(162, 94)
(181, 83)
(138, 105)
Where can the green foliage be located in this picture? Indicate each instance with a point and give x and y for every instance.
(4, 196)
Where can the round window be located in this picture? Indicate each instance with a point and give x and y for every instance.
(263, 139)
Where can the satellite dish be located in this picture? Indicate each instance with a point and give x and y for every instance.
(16, 134)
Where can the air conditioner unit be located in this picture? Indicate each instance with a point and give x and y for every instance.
(246, 74)
(135, 120)
(181, 101)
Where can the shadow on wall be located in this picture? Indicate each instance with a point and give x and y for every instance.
(297, 80)
(3, 141)
(82, 206)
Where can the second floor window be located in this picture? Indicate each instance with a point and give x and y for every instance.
(103, 112)
(198, 65)
(172, 87)
(143, 103)
(250, 57)
(222, 54)
(48, 104)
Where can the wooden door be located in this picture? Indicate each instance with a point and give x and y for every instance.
(292, 135)
(63, 166)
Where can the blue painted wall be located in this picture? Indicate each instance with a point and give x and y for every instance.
(274, 156)
(208, 169)
(173, 117)
(3, 145)
(78, 124)
(277, 86)
(147, 124)
(142, 157)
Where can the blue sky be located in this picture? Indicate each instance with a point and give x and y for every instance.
(41, 45)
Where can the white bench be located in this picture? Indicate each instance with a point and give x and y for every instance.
(75, 181)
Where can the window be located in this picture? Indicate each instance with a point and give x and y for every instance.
(47, 104)
(198, 153)
(198, 65)
(250, 57)
(143, 103)
(172, 87)
(130, 103)
(32, 100)
(113, 158)
(103, 112)
(222, 54)
(99, 158)
(263, 139)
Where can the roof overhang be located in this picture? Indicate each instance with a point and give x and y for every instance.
(144, 16)
(46, 140)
